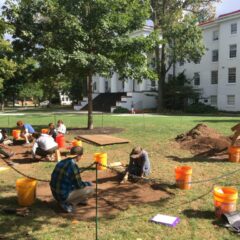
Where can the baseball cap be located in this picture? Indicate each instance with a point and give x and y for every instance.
(76, 151)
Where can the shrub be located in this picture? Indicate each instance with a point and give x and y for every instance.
(200, 108)
(120, 110)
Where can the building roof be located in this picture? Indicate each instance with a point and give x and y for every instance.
(221, 17)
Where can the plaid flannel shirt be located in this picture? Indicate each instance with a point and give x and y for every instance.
(66, 178)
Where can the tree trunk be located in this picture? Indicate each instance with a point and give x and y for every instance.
(90, 102)
(161, 79)
(2, 106)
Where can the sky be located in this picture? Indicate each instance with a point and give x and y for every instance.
(225, 6)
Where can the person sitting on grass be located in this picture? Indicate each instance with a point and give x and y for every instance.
(61, 128)
(139, 164)
(52, 130)
(44, 146)
(4, 137)
(66, 184)
(26, 131)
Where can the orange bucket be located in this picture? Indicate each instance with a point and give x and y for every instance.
(77, 143)
(16, 133)
(44, 130)
(234, 154)
(183, 177)
(60, 140)
(225, 200)
(26, 191)
(101, 158)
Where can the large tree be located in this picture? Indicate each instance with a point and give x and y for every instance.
(176, 21)
(7, 65)
(84, 37)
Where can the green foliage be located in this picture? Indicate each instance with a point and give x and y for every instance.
(120, 110)
(69, 38)
(7, 65)
(32, 91)
(177, 92)
(200, 108)
(181, 38)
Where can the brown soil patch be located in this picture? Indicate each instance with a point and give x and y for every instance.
(112, 196)
(97, 130)
(204, 141)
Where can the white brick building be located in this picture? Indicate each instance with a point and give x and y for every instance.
(217, 75)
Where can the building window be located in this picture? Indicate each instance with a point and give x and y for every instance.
(213, 100)
(231, 99)
(233, 51)
(170, 77)
(215, 55)
(233, 28)
(94, 86)
(63, 99)
(196, 79)
(214, 77)
(215, 35)
(231, 75)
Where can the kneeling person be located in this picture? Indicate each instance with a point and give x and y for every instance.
(139, 164)
(44, 145)
(66, 183)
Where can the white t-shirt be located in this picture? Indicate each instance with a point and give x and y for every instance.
(45, 142)
(61, 129)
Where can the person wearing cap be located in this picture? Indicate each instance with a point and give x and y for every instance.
(139, 164)
(26, 131)
(66, 184)
(44, 146)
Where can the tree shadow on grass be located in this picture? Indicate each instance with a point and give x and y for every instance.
(15, 227)
(197, 158)
(191, 213)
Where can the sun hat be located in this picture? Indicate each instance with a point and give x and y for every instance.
(136, 152)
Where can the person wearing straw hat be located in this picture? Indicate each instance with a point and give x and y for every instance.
(139, 164)
(66, 184)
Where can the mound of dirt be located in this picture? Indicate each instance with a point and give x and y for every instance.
(203, 140)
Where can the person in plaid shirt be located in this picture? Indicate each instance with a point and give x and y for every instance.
(66, 184)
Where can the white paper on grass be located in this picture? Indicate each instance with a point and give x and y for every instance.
(160, 218)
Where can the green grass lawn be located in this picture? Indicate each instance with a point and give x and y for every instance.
(155, 134)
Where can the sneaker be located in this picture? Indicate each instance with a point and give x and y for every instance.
(67, 207)
(27, 144)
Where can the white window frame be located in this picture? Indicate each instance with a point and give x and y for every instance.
(231, 100)
(196, 78)
(234, 28)
(215, 56)
(213, 100)
(214, 77)
(233, 51)
(232, 75)
(215, 35)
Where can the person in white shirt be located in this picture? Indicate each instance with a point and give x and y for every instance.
(61, 128)
(44, 146)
